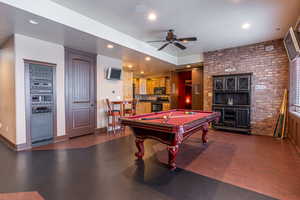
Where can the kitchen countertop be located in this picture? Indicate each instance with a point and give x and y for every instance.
(153, 101)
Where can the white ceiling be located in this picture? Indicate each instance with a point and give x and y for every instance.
(216, 23)
(14, 20)
(91, 25)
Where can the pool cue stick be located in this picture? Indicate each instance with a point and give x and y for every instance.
(276, 126)
(279, 120)
(285, 115)
(279, 131)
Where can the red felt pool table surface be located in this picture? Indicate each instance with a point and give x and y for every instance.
(175, 117)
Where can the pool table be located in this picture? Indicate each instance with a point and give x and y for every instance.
(169, 127)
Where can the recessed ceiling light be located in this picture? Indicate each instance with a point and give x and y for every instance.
(185, 41)
(110, 46)
(147, 58)
(246, 26)
(33, 22)
(130, 66)
(142, 72)
(152, 16)
(188, 66)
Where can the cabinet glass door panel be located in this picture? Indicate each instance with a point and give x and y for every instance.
(244, 82)
(219, 83)
(230, 83)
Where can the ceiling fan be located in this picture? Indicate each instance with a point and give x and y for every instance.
(171, 38)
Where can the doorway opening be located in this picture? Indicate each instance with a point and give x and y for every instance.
(185, 90)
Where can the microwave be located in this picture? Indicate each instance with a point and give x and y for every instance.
(160, 90)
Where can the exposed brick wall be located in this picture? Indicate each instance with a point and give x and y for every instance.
(269, 68)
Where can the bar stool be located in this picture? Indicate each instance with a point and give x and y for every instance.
(112, 116)
(132, 110)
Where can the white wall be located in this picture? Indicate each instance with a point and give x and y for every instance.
(12, 70)
(7, 91)
(34, 49)
(105, 87)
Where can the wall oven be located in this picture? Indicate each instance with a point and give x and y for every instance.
(160, 90)
(156, 107)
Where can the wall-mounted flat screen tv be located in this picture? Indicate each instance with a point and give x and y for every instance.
(292, 43)
(113, 73)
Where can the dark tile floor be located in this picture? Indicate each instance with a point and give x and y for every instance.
(108, 170)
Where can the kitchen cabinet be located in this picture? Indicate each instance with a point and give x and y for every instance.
(162, 82)
(143, 107)
(166, 106)
(150, 86)
(136, 83)
(146, 86)
(174, 90)
(143, 86)
(168, 85)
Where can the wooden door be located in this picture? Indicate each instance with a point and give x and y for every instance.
(174, 90)
(197, 89)
(80, 92)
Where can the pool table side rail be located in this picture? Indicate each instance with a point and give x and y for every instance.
(168, 128)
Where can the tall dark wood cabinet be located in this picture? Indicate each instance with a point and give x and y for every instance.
(232, 98)
(197, 89)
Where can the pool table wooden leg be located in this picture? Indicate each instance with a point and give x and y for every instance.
(204, 134)
(172, 156)
(140, 146)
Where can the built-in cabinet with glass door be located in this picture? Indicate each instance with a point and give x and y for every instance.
(232, 98)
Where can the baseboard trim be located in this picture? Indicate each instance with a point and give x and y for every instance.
(101, 130)
(61, 138)
(23, 147)
(18, 147)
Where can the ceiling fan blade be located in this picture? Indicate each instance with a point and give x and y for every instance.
(163, 46)
(179, 45)
(188, 39)
(157, 41)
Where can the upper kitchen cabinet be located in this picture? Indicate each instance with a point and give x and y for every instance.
(147, 85)
(168, 85)
(142, 86)
(150, 86)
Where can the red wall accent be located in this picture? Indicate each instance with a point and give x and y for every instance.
(183, 91)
